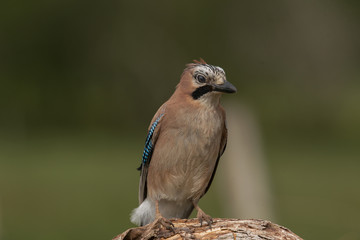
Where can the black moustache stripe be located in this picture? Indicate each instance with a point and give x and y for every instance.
(201, 91)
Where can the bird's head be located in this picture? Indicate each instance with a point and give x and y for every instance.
(201, 81)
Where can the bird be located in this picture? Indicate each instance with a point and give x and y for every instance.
(185, 140)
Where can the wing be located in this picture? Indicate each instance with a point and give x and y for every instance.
(221, 150)
(150, 143)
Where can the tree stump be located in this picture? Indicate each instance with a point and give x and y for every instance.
(252, 229)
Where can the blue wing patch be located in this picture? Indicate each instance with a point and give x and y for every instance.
(149, 147)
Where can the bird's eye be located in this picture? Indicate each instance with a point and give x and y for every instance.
(200, 78)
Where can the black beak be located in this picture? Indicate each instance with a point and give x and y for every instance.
(226, 87)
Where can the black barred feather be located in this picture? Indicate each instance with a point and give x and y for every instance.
(149, 147)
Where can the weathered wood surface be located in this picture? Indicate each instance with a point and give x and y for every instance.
(220, 229)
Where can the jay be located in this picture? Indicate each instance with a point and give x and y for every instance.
(185, 141)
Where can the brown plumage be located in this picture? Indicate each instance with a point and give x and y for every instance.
(188, 140)
(201, 61)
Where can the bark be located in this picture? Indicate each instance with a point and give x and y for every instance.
(220, 229)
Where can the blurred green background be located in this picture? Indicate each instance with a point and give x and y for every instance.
(80, 81)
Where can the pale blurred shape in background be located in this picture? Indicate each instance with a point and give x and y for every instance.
(243, 175)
